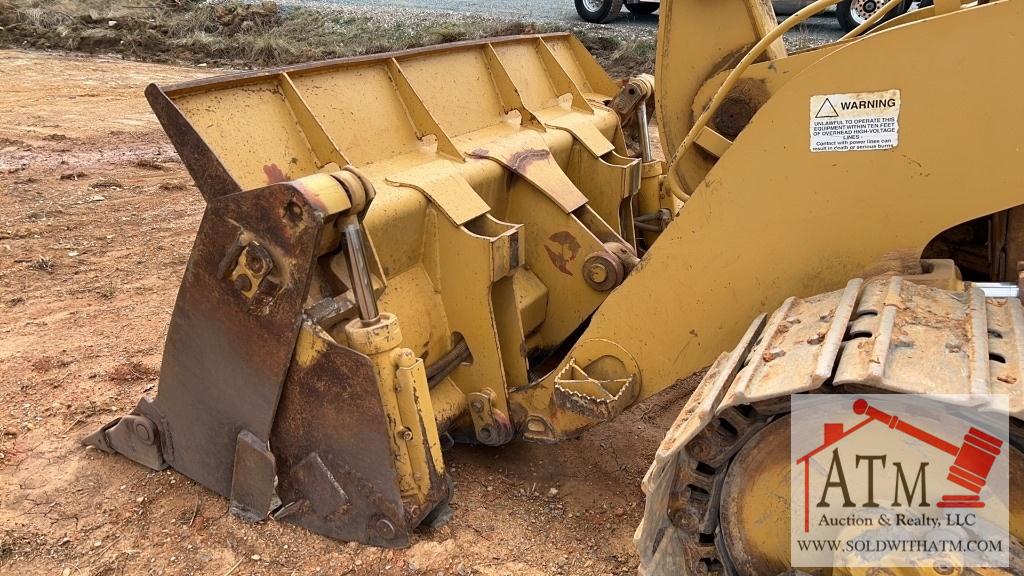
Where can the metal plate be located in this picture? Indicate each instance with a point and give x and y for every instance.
(331, 411)
(224, 362)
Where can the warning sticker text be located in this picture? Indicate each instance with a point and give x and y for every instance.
(855, 121)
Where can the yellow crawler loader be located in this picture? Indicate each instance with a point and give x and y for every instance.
(474, 243)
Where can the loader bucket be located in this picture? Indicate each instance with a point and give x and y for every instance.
(337, 188)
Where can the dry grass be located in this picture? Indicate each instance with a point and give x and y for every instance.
(42, 263)
(251, 35)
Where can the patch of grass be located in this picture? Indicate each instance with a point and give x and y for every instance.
(800, 38)
(620, 57)
(242, 34)
(38, 17)
(106, 291)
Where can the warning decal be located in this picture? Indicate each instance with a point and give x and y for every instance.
(856, 121)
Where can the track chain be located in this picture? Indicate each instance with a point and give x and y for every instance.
(885, 335)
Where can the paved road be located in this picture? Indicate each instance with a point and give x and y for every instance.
(819, 29)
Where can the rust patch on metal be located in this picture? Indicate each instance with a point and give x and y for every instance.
(329, 417)
(739, 107)
(241, 376)
(895, 263)
(210, 175)
(311, 195)
(730, 60)
(521, 161)
(274, 174)
(518, 162)
(567, 250)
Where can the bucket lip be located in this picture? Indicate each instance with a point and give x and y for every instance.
(247, 77)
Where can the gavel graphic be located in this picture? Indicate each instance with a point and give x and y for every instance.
(972, 460)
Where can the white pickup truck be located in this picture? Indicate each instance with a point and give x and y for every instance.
(849, 13)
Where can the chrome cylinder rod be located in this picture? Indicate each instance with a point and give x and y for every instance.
(646, 153)
(362, 286)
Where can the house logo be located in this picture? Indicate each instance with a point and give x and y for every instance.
(899, 480)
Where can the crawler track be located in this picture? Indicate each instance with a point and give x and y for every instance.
(886, 335)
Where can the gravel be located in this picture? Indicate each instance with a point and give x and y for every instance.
(816, 30)
(529, 10)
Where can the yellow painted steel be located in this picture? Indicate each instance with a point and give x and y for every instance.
(503, 169)
(697, 39)
(498, 169)
(772, 219)
(506, 199)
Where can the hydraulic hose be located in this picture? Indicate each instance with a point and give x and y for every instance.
(447, 364)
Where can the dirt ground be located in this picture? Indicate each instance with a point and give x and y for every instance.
(97, 217)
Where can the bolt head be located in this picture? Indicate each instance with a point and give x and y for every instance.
(596, 273)
(144, 433)
(242, 283)
(293, 212)
(254, 262)
(385, 528)
(603, 271)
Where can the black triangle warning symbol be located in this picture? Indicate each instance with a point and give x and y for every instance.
(827, 110)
